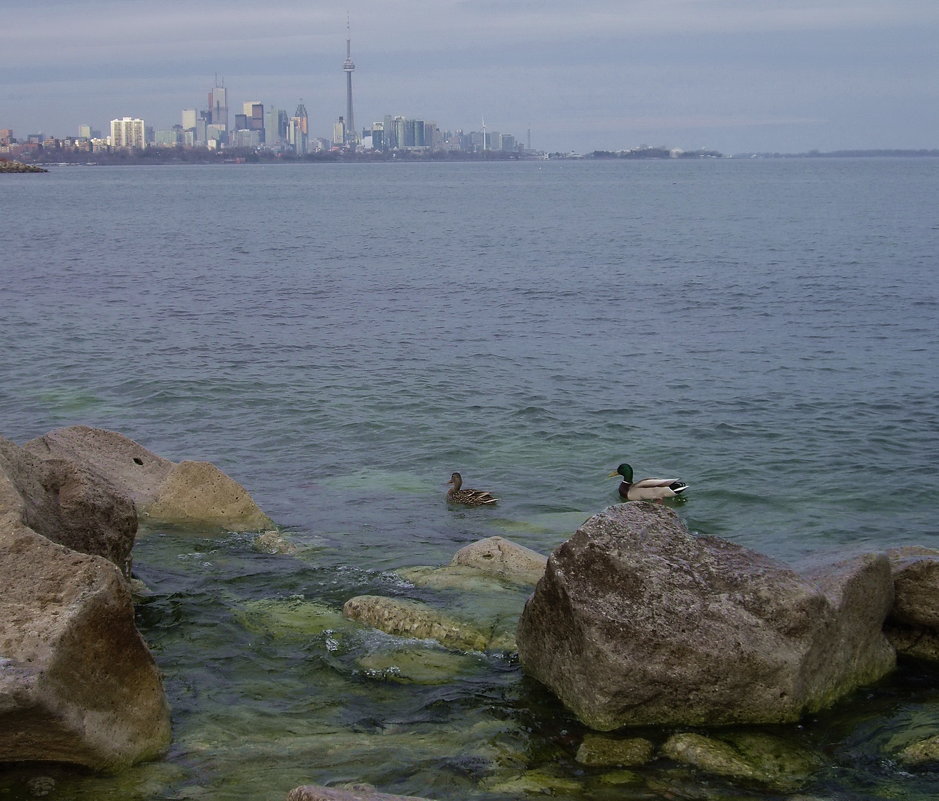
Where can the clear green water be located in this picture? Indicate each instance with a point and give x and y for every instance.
(340, 339)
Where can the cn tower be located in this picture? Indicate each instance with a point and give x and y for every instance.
(349, 66)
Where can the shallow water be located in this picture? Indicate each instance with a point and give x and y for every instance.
(340, 338)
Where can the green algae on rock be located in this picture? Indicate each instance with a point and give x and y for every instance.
(597, 750)
(745, 756)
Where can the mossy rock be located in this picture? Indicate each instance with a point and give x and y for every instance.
(541, 781)
(598, 750)
(466, 579)
(407, 618)
(618, 778)
(750, 757)
(922, 752)
(415, 665)
(293, 617)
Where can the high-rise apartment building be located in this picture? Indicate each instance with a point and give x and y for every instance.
(128, 132)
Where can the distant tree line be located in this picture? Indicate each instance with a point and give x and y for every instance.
(196, 155)
(655, 153)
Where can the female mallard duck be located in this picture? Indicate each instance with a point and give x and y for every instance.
(647, 489)
(468, 497)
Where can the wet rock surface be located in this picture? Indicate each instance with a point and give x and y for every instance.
(636, 621)
(77, 683)
(187, 493)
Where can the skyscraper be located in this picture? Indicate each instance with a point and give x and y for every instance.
(298, 131)
(275, 126)
(218, 106)
(349, 66)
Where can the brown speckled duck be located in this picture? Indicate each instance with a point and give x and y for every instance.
(468, 497)
(647, 489)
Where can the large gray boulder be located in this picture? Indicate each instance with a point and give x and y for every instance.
(77, 683)
(187, 493)
(67, 503)
(913, 625)
(636, 621)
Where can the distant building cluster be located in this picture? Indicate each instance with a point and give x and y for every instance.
(258, 127)
(264, 127)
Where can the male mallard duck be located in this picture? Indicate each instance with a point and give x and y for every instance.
(647, 489)
(467, 496)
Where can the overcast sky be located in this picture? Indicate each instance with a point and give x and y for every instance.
(733, 75)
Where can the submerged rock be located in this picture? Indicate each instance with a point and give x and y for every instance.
(504, 559)
(540, 781)
(618, 778)
(273, 542)
(315, 792)
(466, 579)
(415, 665)
(187, 493)
(599, 751)
(756, 758)
(922, 752)
(77, 683)
(407, 618)
(293, 617)
(638, 622)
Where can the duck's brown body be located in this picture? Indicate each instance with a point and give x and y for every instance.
(466, 496)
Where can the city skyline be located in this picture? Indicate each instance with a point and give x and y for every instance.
(721, 74)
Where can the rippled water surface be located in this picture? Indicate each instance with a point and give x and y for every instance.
(340, 338)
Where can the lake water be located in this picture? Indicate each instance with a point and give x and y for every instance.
(340, 338)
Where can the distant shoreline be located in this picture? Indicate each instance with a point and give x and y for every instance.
(35, 162)
(836, 154)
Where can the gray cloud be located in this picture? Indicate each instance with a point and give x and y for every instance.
(730, 74)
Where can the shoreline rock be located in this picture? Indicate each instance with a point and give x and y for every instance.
(638, 622)
(194, 494)
(7, 166)
(67, 503)
(77, 682)
(913, 624)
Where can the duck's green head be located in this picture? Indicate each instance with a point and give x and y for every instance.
(625, 471)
